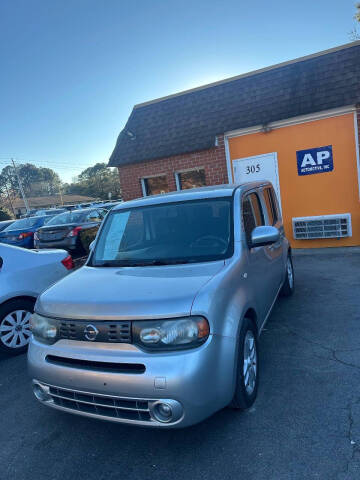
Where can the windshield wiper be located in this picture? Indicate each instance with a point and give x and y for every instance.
(142, 263)
(170, 261)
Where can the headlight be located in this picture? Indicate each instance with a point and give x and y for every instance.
(44, 329)
(176, 334)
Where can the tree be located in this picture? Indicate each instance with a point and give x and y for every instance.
(357, 14)
(37, 181)
(97, 181)
(355, 34)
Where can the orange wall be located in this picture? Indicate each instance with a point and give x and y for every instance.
(318, 194)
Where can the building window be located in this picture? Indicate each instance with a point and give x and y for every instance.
(154, 185)
(190, 179)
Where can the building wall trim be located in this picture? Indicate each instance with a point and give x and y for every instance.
(312, 117)
(356, 129)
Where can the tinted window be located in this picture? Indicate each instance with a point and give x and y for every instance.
(271, 194)
(68, 217)
(269, 207)
(183, 232)
(23, 223)
(257, 209)
(94, 216)
(252, 214)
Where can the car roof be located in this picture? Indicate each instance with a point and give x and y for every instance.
(214, 191)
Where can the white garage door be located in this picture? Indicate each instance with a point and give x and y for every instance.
(260, 167)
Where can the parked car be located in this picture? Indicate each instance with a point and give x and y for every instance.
(51, 211)
(160, 327)
(29, 213)
(21, 232)
(108, 205)
(5, 223)
(72, 230)
(24, 274)
(84, 205)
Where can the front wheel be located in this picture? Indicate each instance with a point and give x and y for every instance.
(15, 325)
(247, 369)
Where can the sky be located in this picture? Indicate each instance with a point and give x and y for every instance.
(71, 70)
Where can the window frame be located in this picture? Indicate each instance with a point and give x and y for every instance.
(270, 194)
(244, 197)
(144, 186)
(177, 174)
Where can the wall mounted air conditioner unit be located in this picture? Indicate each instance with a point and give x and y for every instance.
(325, 226)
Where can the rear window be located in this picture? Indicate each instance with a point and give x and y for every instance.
(68, 217)
(23, 223)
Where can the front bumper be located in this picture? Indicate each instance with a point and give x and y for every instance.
(196, 383)
(69, 243)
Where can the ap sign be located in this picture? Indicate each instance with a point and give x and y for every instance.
(315, 160)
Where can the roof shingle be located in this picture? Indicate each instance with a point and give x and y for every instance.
(190, 121)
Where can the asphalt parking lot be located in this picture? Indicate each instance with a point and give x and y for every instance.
(305, 423)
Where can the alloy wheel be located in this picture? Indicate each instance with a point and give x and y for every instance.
(15, 329)
(250, 362)
(290, 273)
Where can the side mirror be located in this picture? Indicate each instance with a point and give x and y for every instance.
(265, 235)
(91, 246)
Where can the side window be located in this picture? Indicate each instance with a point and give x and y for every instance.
(271, 206)
(102, 214)
(93, 217)
(252, 214)
(257, 209)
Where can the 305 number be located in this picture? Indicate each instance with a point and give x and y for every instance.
(252, 168)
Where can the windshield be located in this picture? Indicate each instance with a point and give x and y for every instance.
(23, 223)
(68, 217)
(192, 231)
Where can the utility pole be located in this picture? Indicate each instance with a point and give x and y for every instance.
(61, 197)
(21, 187)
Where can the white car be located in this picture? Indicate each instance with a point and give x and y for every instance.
(24, 274)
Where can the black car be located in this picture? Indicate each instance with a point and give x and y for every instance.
(73, 230)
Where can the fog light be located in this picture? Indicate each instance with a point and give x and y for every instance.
(163, 412)
(40, 393)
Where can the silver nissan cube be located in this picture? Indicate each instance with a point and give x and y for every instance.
(160, 327)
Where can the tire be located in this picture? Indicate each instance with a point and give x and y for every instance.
(246, 390)
(14, 325)
(289, 285)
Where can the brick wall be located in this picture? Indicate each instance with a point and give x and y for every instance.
(213, 161)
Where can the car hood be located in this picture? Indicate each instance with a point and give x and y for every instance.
(127, 292)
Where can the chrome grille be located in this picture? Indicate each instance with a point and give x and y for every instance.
(106, 406)
(113, 332)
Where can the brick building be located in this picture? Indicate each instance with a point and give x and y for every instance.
(296, 124)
